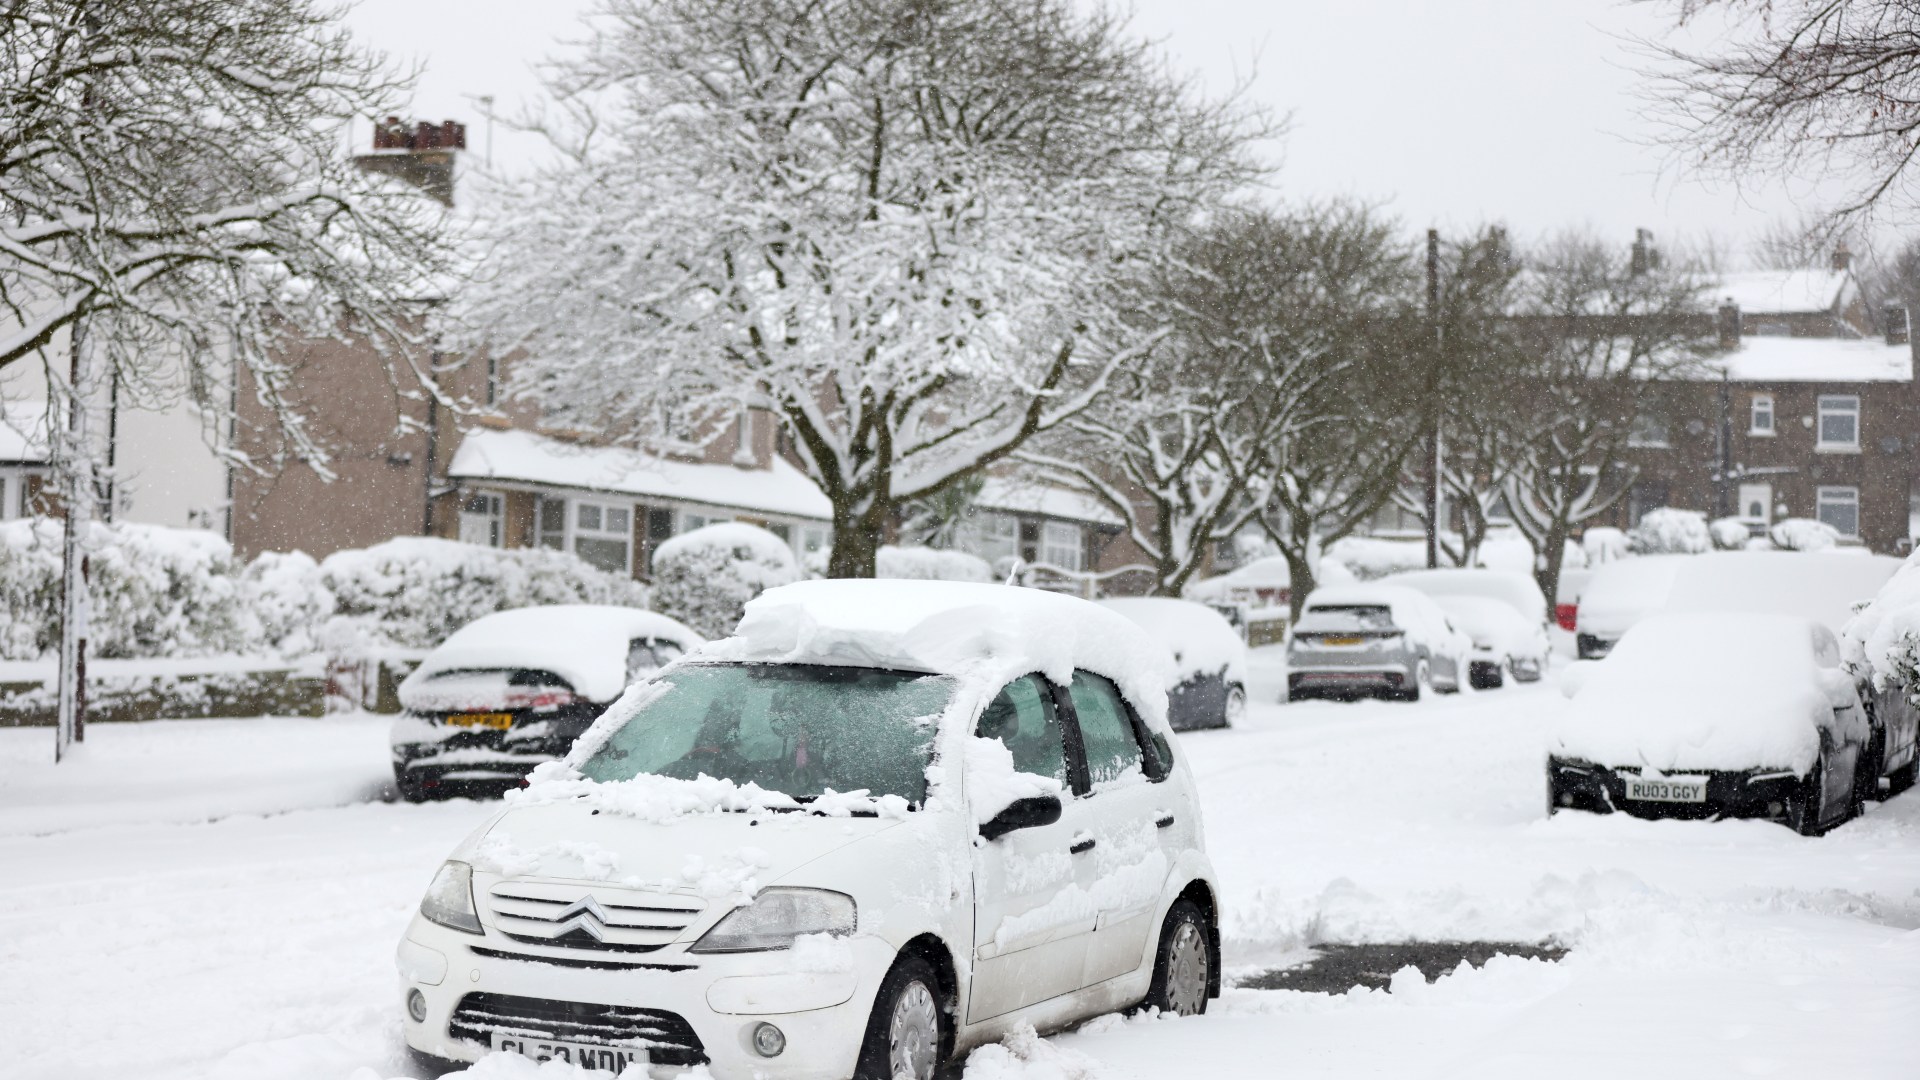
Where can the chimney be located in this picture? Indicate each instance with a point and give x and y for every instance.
(1842, 258)
(420, 154)
(1644, 258)
(1894, 318)
(1728, 325)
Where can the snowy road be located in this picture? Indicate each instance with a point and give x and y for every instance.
(139, 939)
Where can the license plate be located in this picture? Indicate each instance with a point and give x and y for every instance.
(498, 721)
(611, 1058)
(1691, 789)
(1340, 640)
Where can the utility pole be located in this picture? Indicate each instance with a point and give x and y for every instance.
(1433, 400)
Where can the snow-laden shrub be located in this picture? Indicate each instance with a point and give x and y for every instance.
(413, 591)
(154, 591)
(1729, 533)
(1882, 640)
(288, 600)
(1370, 558)
(1803, 534)
(1603, 544)
(1670, 531)
(705, 577)
(930, 564)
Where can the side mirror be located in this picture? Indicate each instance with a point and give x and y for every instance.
(1022, 814)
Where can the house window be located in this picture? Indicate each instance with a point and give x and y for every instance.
(551, 523)
(483, 519)
(691, 521)
(1839, 422)
(814, 540)
(999, 537)
(1840, 508)
(1642, 497)
(603, 535)
(1649, 429)
(1062, 545)
(1760, 420)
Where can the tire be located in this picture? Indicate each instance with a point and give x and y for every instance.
(1236, 708)
(1803, 809)
(1903, 777)
(911, 1028)
(1183, 962)
(409, 787)
(1866, 771)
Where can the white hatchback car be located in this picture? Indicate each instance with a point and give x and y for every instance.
(884, 823)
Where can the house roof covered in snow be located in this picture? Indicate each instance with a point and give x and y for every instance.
(526, 458)
(1781, 292)
(1018, 496)
(1796, 359)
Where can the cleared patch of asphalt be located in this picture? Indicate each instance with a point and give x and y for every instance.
(1335, 968)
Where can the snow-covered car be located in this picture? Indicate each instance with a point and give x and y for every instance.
(1825, 588)
(1619, 594)
(884, 823)
(1713, 715)
(1503, 613)
(1373, 640)
(1209, 659)
(512, 689)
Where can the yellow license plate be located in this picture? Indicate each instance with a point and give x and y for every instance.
(498, 721)
(1340, 640)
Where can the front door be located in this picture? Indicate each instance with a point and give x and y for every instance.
(1030, 932)
(1756, 502)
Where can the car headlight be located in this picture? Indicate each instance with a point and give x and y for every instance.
(776, 917)
(449, 899)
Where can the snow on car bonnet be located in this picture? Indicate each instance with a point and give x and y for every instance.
(585, 644)
(989, 632)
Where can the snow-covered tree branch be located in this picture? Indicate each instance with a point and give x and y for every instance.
(915, 233)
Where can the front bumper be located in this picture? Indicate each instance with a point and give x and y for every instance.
(1755, 793)
(695, 1008)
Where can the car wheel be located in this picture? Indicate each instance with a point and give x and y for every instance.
(1803, 809)
(1183, 965)
(1866, 770)
(1421, 682)
(408, 785)
(1904, 777)
(907, 1035)
(1236, 710)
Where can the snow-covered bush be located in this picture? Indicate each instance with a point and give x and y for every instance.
(1882, 640)
(155, 591)
(1671, 531)
(1603, 544)
(930, 564)
(287, 600)
(413, 591)
(1729, 533)
(705, 577)
(1803, 534)
(1369, 558)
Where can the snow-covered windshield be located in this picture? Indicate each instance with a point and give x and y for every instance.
(801, 729)
(1346, 618)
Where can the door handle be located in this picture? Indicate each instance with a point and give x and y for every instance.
(1165, 822)
(1084, 845)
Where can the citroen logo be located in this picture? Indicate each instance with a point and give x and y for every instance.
(583, 916)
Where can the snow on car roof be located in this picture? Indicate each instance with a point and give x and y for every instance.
(993, 632)
(1700, 691)
(1200, 638)
(1622, 591)
(1820, 587)
(1413, 611)
(585, 644)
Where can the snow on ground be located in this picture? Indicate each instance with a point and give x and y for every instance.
(152, 942)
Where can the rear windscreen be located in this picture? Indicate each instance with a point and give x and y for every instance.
(1346, 618)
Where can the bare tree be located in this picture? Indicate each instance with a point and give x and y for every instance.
(1600, 336)
(914, 232)
(1793, 84)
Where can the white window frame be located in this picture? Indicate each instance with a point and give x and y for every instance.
(1836, 405)
(1761, 406)
(1063, 544)
(1841, 496)
(1649, 430)
(489, 523)
(602, 512)
(997, 537)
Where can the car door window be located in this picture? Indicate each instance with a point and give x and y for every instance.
(1106, 730)
(1023, 717)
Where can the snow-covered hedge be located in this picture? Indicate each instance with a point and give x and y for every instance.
(930, 564)
(1882, 640)
(705, 577)
(413, 591)
(1603, 544)
(1669, 531)
(1370, 558)
(1729, 533)
(1803, 534)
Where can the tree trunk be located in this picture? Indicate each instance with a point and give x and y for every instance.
(1547, 574)
(1300, 581)
(856, 540)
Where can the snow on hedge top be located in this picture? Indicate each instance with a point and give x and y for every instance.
(1518, 591)
(1414, 613)
(1882, 641)
(1819, 587)
(1201, 640)
(990, 632)
(742, 542)
(1703, 691)
(1624, 591)
(1671, 531)
(915, 563)
(585, 644)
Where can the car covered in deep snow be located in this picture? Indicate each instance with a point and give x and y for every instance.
(512, 689)
(1503, 613)
(1373, 640)
(1210, 660)
(1619, 594)
(885, 822)
(1713, 715)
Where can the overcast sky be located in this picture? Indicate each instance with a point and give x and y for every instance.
(1450, 112)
